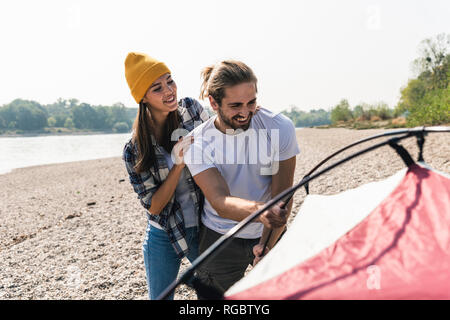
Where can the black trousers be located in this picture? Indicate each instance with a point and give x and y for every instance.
(229, 265)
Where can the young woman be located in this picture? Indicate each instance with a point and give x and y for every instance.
(154, 161)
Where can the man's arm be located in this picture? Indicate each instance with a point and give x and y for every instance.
(281, 181)
(218, 194)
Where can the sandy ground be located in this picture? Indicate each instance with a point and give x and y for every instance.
(75, 230)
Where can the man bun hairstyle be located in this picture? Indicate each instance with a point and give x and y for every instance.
(225, 74)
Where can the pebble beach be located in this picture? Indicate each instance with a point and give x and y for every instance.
(75, 230)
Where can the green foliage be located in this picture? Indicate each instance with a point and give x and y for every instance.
(121, 127)
(432, 109)
(3, 123)
(383, 111)
(359, 113)
(308, 119)
(434, 60)
(425, 99)
(119, 113)
(24, 115)
(69, 123)
(341, 112)
(411, 95)
(51, 122)
(84, 116)
(29, 115)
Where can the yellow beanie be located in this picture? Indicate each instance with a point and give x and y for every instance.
(141, 71)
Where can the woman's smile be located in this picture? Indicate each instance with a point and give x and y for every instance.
(171, 101)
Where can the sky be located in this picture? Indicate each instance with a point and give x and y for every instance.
(310, 54)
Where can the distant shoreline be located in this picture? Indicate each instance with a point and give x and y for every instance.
(67, 133)
(74, 133)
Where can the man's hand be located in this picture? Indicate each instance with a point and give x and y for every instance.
(275, 217)
(257, 252)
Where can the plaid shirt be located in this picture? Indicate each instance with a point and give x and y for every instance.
(146, 183)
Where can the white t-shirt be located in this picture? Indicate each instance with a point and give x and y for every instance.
(246, 160)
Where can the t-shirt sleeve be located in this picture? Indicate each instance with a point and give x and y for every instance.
(288, 147)
(198, 158)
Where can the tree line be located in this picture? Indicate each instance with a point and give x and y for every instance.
(27, 115)
(425, 100)
(314, 117)
(342, 112)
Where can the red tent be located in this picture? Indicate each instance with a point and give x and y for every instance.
(396, 245)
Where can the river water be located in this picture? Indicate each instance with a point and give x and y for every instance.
(19, 152)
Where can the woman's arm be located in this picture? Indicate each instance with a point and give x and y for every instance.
(165, 192)
(154, 197)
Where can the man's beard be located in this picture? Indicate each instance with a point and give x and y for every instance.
(229, 121)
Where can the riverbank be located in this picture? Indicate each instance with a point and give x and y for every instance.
(54, 132)
(75, 230)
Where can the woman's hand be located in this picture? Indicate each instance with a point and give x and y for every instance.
(180, 149)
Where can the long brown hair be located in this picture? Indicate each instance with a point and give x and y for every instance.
(144, 133)
(228, 73)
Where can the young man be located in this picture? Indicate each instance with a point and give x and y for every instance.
(240, 159)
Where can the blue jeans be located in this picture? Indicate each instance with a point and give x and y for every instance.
(161, 261)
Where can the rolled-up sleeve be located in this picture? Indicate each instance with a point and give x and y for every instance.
(144, 183)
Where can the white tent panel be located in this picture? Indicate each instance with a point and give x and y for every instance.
(321, 220)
